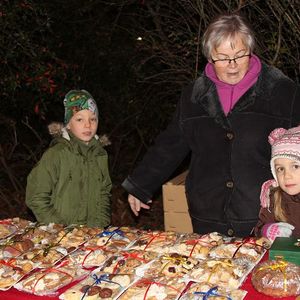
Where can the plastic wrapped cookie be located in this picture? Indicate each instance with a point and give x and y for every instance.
(48, 281)
(195, 291)
(12, 270)
(224, 273)
(196, 245)
(98, 286)
(154, 288)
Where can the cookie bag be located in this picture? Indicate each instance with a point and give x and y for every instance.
(99, 285)
(48, 281)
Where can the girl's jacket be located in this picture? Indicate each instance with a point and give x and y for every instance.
(291, 208)
(71, 183)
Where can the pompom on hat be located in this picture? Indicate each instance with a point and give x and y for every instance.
(285, 144)
(76, 100)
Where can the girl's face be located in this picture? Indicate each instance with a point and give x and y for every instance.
(83, 125)
(231, 72)
(288, 175)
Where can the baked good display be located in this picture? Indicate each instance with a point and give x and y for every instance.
(156, 241)
(11, 226)
(41, 234)
(98, 286)
(196, 290)
(48, 281)
(225, 273)
(251, 249)
(87, 257)
(12, 270)
(154, 288)
(123, 262)
(7, 229)
(171, 265)
(72, 237)
(14, 247)
(196, 245)
(277, 278)
(127, 262)
(115, 238)
(46, 257)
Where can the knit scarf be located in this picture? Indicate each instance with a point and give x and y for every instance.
(229, 94)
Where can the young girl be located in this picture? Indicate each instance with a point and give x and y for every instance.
(280, 198)
(71, 182)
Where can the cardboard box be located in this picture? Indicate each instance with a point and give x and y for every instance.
(178, 222)
(174, 199)
(286, 248)
(176, 215)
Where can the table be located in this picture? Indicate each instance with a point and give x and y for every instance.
(14, 294)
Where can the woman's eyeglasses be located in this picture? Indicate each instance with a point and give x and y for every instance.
(227, 61)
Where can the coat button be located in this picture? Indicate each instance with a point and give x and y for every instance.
(229, 184)
(229, 136)
(230, 232)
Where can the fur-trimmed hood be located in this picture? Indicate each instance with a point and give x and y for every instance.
(57, 129)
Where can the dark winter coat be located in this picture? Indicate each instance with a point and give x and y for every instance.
(71, 184)
(291, 207)
(230, 155)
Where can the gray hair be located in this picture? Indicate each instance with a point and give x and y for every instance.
(223, 27)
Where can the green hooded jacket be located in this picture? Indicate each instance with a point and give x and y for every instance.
(71, 184)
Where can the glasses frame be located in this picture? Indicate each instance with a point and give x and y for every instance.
(229, 60)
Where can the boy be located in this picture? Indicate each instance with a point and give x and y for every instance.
(71, 182)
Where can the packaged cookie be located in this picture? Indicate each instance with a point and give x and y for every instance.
(248, 248)
(12, 270)
(48, 281)
(98, 286)
(195, 291)
(89, 256)
(41, 234)
(156, 241)
(225, 273)
(73, 236)
(171, 265)
(115, 238)
(7, 228)
(277, 278)
(196, 245)
(46, 256)
(14, 247)
(127, 262)
(154, 288)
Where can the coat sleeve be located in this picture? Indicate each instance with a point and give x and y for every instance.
(266, 215)
(40, 184)
(160, 161)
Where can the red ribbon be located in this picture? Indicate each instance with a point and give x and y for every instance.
(53, 270)
(149, 283)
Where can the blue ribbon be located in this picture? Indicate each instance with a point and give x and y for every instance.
(211, 292)
(108, 233)
(98, 280)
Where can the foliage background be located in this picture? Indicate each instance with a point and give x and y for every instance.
(133, 56)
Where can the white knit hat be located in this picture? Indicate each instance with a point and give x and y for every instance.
(285, 144)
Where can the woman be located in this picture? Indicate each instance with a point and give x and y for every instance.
(223, 119)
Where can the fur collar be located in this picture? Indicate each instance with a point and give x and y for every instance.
(57, 129)
(205, 93)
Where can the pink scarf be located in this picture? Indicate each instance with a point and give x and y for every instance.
(229, 94)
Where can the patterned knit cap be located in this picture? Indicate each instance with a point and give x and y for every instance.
(76, 100)
(285, 144)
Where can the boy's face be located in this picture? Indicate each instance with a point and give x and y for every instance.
(288, 175)
(83, 125)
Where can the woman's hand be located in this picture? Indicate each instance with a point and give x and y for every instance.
(136, 204)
